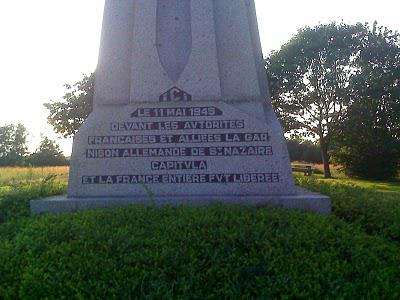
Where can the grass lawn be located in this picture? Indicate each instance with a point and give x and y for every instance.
(379, 186)
(338, 177)
(214, 252)
(392, 186)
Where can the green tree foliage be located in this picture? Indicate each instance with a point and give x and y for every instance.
(309, 80)
(304, 151)
(12, 144)
(48, 154)
(370, 141)
(67, 115)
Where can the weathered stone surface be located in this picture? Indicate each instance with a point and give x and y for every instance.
(303, 200)
(146, 49)
(195, 149)
(182, 112)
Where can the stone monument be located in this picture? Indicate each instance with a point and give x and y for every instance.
(182, 113)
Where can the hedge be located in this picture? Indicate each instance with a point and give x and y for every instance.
(216, 252)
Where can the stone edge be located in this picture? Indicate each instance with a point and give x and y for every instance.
(303, 200)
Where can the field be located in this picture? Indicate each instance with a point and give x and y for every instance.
(210, 252)
(16, 176)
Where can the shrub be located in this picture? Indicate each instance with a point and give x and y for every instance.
(195, 253)
(14, 202)
(369, 159)
(377, 213)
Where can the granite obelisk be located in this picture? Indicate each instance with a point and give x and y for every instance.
(181, 113)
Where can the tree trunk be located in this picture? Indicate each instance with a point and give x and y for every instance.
(325, 158)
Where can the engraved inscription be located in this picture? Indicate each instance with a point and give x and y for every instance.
(179, 138)
(246, 178)
(191, 149)
(180, 152)
(176, 112)
(179, 165)
(178, 125)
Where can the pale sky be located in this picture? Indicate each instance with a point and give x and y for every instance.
(46, 43)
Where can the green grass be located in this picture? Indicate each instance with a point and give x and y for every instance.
(392, 186)
(11, 176)
(379, 186)
(215, 252)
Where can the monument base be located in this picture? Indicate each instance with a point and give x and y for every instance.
(173, 153)
(302, 200)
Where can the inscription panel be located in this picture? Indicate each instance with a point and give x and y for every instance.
(185, 144)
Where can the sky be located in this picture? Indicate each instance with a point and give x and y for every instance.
(47, 43)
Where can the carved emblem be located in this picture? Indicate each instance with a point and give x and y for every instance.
(175, 95)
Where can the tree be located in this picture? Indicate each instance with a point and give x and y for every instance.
(12, 144)
(309, 80)
(48, 154)
(304, 151)
(67, 115)
(370, 139)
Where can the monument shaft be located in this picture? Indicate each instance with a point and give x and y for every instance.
(182, 112)
(208, 48)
